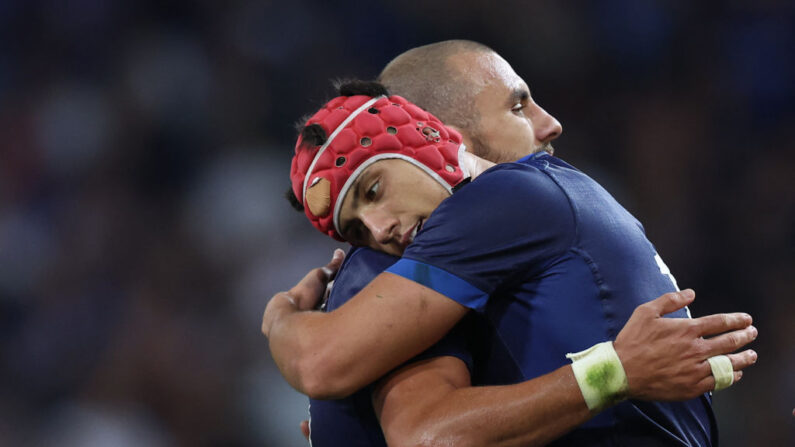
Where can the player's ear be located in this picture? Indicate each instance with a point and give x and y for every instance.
(464, 137)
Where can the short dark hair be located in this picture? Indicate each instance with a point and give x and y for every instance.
(353, 87)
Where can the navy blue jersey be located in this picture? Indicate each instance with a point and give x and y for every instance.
(351, 422)
(556, 265)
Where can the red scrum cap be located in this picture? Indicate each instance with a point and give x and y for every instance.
(362, 130)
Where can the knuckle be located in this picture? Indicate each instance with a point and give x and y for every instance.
(694, 327)
(733, 339)
(739, 362)
(700, 348)
(640, 311)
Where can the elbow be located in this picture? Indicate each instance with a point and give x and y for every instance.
(311, 367)
(320, 376)
(318, 386)
(315, 388)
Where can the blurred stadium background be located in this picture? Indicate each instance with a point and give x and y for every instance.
(144, 149)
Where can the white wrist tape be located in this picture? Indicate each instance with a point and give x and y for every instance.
(600, 375)
(722, 370)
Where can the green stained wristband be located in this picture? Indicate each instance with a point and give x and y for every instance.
(599, 374)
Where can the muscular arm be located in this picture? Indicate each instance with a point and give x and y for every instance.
(328, 355)
(432, 403)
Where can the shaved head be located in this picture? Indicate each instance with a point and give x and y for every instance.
(472, 88)
(435, 78)
(469, 87)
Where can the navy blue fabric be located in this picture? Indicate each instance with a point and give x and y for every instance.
(558, 265)
(351, 422)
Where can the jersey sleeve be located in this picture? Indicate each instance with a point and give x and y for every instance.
(361, 266)
(510, 224)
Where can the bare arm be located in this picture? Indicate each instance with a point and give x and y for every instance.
(331, 355)
(432, 403)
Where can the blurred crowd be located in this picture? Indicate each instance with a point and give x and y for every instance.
(144, 152)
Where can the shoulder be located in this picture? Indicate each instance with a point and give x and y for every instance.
(361, 266)
(508, 201)
(515, 183)
(513, 219)
(358, 258)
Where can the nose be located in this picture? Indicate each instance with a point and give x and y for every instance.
(545, 126)
(380, 223)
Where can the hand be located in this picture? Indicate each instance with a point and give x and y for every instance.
(311, 290)
(304, 296)
(305, 429)
(666, 358)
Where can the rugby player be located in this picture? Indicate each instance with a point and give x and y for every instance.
(596, 283)
(463, 68)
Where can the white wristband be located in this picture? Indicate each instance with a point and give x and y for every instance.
(600, 375)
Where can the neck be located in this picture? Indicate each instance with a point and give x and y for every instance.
(474, 164)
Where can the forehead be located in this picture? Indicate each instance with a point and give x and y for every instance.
(404, 178)
(351, 201)
(488, 73)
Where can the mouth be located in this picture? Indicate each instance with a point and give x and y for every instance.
(408, 238)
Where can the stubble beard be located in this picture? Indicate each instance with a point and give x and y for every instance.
(546, 147)
(488, 153)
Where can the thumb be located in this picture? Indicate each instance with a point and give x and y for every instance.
(338, 256)
(671, 302)
(330, 270)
